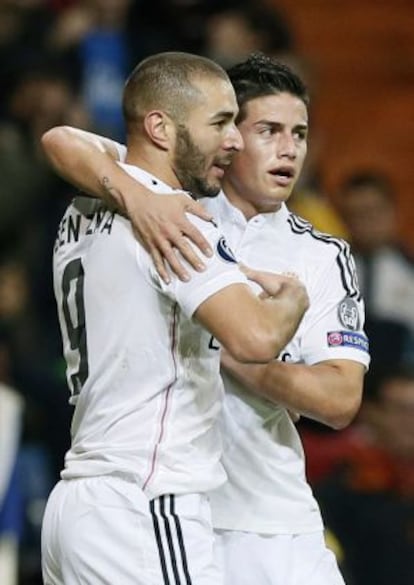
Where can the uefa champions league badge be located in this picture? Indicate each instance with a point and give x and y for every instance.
(348, 314)
(224, 251)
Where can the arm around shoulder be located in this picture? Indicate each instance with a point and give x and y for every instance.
(86, 160)
(89, 162)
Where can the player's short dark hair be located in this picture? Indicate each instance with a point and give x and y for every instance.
(260, 76)
(165, 81)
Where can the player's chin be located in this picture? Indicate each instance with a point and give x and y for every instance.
(208, 188)
(212, 191)
(214, 182)
(280, 194)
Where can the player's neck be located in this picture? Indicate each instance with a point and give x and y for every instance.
(153, 161)
(248, 207)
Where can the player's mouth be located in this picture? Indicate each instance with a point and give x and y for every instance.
(219, 167)
(283, 175)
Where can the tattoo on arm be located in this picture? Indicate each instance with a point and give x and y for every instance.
(111, 195)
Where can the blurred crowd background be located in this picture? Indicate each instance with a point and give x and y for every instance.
(64, 62)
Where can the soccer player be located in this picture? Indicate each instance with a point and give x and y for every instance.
(269, 527)
(131, 507)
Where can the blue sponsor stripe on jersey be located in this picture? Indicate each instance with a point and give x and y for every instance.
(348, 339)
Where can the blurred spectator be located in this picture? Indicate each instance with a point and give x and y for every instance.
(237, 29)
(92, 39)
(28, 362)
(369, 501)
(24, 26)
(11, 512)
(224, 30)
(170, 25)
(100, 40)
(40, 98)
(385, 270)
(31, 199)
(37, 368)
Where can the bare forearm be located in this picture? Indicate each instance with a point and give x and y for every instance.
(285, 316)
(324, 392)
(90, 164)
(319, 392)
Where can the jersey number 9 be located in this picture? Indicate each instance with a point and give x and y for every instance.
(74, 273)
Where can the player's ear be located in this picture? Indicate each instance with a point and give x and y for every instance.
(160, 129)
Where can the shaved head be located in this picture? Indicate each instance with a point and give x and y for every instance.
(180, 112)
(166, 82)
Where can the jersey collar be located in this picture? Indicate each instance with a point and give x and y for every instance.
(231, 213)
(148, 180)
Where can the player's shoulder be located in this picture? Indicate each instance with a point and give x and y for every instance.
(314, 241)
(213, 232)
(207, 227)
(326, 255)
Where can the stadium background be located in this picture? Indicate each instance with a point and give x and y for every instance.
(63, 62)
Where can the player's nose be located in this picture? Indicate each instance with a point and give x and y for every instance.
(287, 146)
(234, 140)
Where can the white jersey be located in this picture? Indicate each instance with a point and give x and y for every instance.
(267, 491)
(144, 379)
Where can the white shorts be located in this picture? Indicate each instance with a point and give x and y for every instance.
(104, 530)
(249, 558)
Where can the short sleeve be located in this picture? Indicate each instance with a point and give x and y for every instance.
(221, 271)
(334, 325)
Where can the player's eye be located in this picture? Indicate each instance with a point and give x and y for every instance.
(300, 134)
(266, 131)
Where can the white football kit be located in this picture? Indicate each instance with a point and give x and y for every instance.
(268, 524)
(145, 383)
(267, 496)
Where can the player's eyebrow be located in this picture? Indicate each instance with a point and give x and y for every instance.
(223, 115)
(303, 127)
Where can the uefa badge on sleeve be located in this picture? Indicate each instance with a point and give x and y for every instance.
(348, 314)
